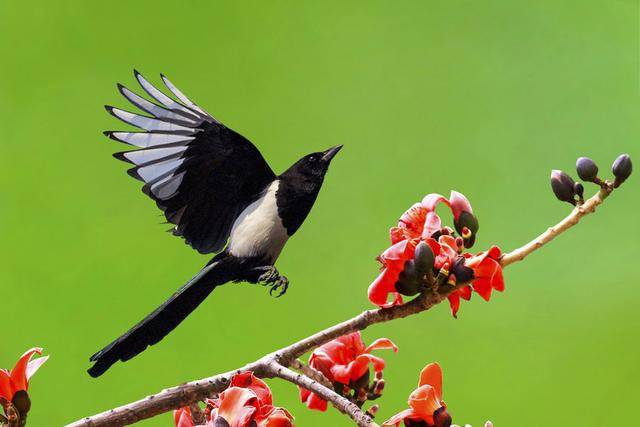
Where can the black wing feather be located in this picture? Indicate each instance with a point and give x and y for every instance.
(200, 173)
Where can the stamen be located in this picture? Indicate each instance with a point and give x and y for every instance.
(466, 233)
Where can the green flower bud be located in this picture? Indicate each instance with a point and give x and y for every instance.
(587, 169)
(621, 169)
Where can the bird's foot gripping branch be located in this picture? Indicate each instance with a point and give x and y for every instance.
(428, 261)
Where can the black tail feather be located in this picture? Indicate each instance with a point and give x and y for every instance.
(162, 320)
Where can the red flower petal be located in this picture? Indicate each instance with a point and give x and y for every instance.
(430, 201)
(431, 225)
(312, 400)
(401, 416)
(381, 344)
(413, 220)
(454, 303)
(255, 384)
(432, 375)
(482, 287)
(182, 417)
(384, 285)
(352, 343)
(497, 281)
(465, 292)
(6, 390)
(274, 417)
(397, 234)
(424, 402)
(19, 378)
(237, 406)
(459, 204)
(34, 365)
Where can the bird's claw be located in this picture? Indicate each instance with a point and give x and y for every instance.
(280, 287)
(269, 277)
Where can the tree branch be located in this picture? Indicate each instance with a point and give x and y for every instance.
(589, 206)
(276, 363)
(340, 403)
(311, 372)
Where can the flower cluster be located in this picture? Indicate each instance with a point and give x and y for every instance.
(425, 254)
(14, 386)
(247, 402)
(346, 363)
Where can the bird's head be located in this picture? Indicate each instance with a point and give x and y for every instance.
(314, 166)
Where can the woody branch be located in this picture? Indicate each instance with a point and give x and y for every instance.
(277, 364)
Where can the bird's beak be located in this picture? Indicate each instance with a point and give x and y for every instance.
(330, 153)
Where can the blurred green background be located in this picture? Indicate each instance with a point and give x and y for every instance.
(482, 97)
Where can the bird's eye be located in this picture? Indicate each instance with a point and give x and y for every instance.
(312, 159)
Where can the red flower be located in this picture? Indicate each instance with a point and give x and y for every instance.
(344, 360)
(18, 378)
(420, 223)
(487, 272)
(426, 405)
(246, 402)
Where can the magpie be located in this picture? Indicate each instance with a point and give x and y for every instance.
(218, 193)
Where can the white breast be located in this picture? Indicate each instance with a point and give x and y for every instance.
(258, 231)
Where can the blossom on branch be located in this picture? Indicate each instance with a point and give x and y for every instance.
(14, 384)
(345, 362)
(487, 424)
(427, 409)
(247, 402)
(425, 254)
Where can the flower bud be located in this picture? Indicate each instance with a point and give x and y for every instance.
(467, 226)
(563, 186)
(21, 402)
(423, 258)
(587, 169)
(621, 169)
(462, 273)
(441, 417)
(578, 188)
(408, 282)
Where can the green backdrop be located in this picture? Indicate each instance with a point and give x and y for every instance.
(482, 97)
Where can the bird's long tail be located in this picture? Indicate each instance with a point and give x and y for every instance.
(164, 319)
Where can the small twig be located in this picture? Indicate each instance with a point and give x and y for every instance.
(195, 391)
(340, 403)
(589, 206)
(312, 373)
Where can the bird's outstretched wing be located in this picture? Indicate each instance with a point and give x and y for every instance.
(199, 172)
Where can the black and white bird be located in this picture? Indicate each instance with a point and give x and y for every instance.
(220, 194)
